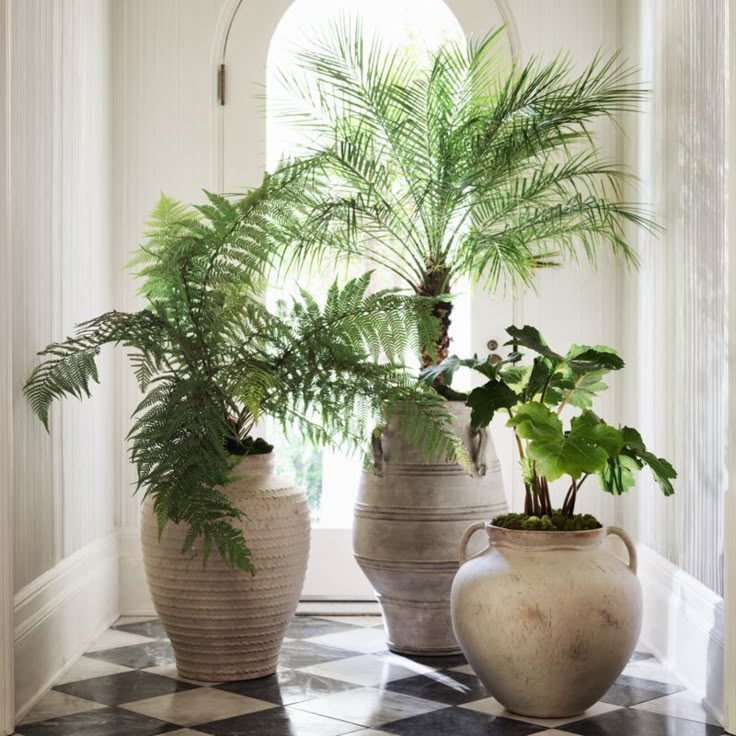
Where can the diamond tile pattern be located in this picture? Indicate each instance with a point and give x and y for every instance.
(335, 677)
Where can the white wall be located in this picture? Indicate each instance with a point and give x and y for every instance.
(164, 82)
(7, 691)
(676, 390)
(60, 234)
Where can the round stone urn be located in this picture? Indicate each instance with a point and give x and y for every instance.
(548, 620)
(225, 624)
(408, 518)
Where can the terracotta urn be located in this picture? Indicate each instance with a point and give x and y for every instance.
(548, 620)
(408, 518)
(225, 624)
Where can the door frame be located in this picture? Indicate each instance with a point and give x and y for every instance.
(471, 14)
(7, 682)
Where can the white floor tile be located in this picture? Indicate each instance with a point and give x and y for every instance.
(55, 705)
(366, 670)
(679, 705)
(367, 641)
(650, 669)
(329, 608)
(369, 706)
(466, 669)
(372, 621)
(86, 668)
(192, 707)
(493, 707)
(112, 639)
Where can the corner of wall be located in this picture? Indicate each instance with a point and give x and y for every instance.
(60, 614)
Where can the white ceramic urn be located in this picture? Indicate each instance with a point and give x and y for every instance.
(225, 624)
(408, 517)
(548, 620)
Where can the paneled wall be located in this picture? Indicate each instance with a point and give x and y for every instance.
(62, 272)
(680, 333)
(163, 76)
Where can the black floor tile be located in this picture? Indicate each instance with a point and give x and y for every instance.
(633, 722)
(138, 656)
(153, 629)
(124, 687)
(638, 656)
(629, 691)
(459, 722)
(279, 722)
(296, 654)
(103, 722)
(287, 687)
(452, 688)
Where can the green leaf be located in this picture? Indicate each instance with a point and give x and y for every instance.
(586, 358)
(618, 474)
(529, 337)
(486, 400)
(534, 421)
(538, 378)
(581, 392)
(662, 470)
(592, 427)
(584, 449)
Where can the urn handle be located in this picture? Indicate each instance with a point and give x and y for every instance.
(630, 546)
(472, 529)
(478, 442)
(377, 449)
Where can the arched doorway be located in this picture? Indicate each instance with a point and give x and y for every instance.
(255, 42)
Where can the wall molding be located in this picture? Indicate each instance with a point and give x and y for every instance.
(684, 627)
(59, 614)
(7, 708)
(729, 212)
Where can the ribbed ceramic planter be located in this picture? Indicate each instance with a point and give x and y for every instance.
(548, 620)
(408, 519)
(225, 624)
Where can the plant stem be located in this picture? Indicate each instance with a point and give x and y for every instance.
(563, 403)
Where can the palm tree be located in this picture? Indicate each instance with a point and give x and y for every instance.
(461, 168)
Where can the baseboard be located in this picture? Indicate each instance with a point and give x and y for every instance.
(683, 626)
(60, 614)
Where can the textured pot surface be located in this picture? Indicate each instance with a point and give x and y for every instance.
(225, 624)
(548, 620)
(408, 519)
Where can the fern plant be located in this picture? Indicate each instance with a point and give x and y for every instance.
(211, 360)
(459, 169)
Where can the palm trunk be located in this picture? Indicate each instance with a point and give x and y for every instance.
(436, 285)
(442, 311)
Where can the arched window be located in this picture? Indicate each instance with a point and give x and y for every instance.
(416, 27)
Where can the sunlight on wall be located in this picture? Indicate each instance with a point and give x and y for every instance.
(416, 27)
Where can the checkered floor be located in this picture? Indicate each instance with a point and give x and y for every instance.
(335, 677)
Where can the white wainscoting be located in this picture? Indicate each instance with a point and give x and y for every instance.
(683, 626)
(60, 614)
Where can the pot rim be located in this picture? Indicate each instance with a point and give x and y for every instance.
(537, 539)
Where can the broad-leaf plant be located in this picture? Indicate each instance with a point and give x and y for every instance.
(553, 443)
(465, 167)
(211, 360)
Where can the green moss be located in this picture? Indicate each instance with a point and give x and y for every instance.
(558, 522)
